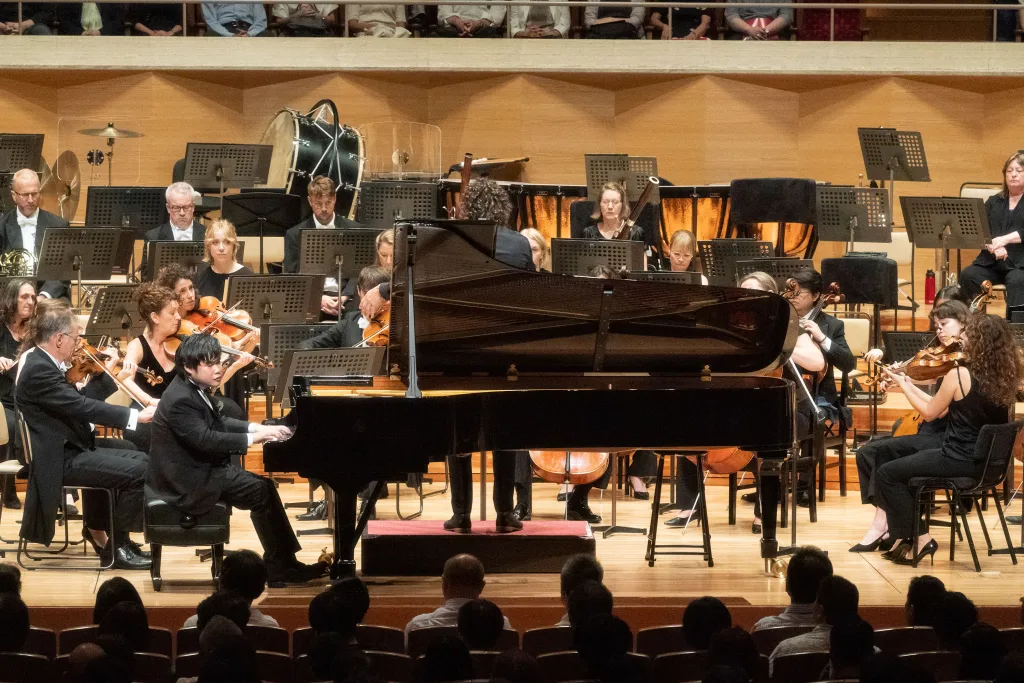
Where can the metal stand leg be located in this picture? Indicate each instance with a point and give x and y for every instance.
(614, 528)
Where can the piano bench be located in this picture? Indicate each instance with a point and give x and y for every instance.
(166, 525)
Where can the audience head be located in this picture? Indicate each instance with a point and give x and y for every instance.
(838, 599)
(111, 592)
(480, 624)
(682, 248)
(244, 573)
(386, 249)
(218, 631)
(516, 666)
(982, 648)
(850, 643)
(995, 359)
(370, 277)
(761, 281)
(612, 203)
(80, 658)
(116, 647)
(924, 597)
(181, 204)
(462, 577)
(322, 198)
(600, 638)
(14, 625)
(446, 659)
(340, 608)
(486, 200)
(577, 569)
(703, 618)
(10, 578)
(220, 242)
(734, 647)
(589, 600)
(226, 604)
(956, 615)
(807, 568)
(17, 301)
(233, 661)
(322, 654)
(539, 247)
(129, 620)
(951, 293)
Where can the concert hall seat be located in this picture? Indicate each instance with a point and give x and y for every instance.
(541, 641)
(421, 637)
(945, 666)
(165, 525)
(767, 638)
(906, 639)
(674, 667)
(561, 666)
(1014, 638)
(24, 668)
(391, 666)
(158, 643)
(658, 640)
(41, 641)
(483, 663)
(379, 638)
(151, 668)
(802, 667)
(274, 667)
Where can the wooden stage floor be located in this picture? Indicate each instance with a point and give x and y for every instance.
(737, 575)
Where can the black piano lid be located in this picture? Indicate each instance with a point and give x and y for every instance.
(476, 315)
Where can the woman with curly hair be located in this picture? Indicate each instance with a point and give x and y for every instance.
(976, 396)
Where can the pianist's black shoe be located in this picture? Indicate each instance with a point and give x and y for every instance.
(507, 522)
(316, 513)
(137, 549)
(522, 513)
(749, 497)
(803, 498)
(294, 572)
(124, 557)
(460, 524)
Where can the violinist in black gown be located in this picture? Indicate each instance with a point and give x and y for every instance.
(17, 303)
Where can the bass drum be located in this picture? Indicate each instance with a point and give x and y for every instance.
(304, 148)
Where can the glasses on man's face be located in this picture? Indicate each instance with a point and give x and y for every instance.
(27, 195)
(74, 337)
(180, 208)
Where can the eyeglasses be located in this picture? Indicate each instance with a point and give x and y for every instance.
(76, 337)
(184, 208)
(26, 195)
(678, 256)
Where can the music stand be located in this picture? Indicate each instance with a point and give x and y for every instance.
(17, 151)
(779, 268)
(892, 155)
(901, 346)
(140, 208)
(846, 213)
(277, 298)
(719, 257)
(80, 253)
(683, 278)
(354, 365)
(577, 256)
(115, 312)
(262, 213)
(946, 223)
(275, 340)
(630, 172)
(338, 253)
(226, 165)
(382, 202)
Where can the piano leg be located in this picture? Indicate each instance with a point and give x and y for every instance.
(348, 527)
(771, 467)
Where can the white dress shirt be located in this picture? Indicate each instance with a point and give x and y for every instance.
(182, 234)
(28, 230)
(330, 283)
(445, 615)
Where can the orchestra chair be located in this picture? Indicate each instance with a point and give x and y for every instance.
(801, 667)
(9, 469)
(546, 639)
(679, 667)
(858, 337)
(46, 556)
(165, 525)
(420, 638)
(703, 548)
(24, 668)
(945, 666)
(906, 639)
(994, 448)
(158, 642)
(659, 640)
(41, 641)
(808, 459)
(391, 666)
(767, 638)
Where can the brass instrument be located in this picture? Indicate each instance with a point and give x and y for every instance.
(18, 263)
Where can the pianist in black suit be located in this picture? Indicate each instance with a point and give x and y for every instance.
(322, 199)
(23, 227)
(191, 465)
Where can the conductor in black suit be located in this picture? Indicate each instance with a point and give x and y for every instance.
(322, 199)
(23, 227)
(191, 464)
(65, 451)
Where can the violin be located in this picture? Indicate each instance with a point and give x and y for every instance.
(377, 333)
(234, 323)
(187, 327)
(569, 467)
(981, 302)
(88, 360)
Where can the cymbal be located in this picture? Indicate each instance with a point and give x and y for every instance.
(60, 191)
(109, 132)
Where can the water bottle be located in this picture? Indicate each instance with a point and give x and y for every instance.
(929, 287)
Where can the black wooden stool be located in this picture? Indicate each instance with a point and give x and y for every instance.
(704, 548)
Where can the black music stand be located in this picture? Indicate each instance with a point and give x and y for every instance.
(115, 313)
(262, 214)
(892, 155)
(338, 253)
(224, 165)
(382, 202)
(683, 278)
(81, 253)
(277, 298)
(846, 213)
(946, 223)
(1018, 333)
(630, 172)
(275, 340)
(779, 268)
(577, 257)
(17, 151)
(188, 253)
(140, 208)
(901, 346)
(336, 366)
(719, 257)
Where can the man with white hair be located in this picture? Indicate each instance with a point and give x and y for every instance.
(183, 226)
(23, 227)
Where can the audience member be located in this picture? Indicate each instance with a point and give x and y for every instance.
(14, 624)
(10, 578)
(462, 580)
(617, 23)
(598, 639)
(688, 23)
(243, 573)
(956, 614)
(111, 592)
(924, 597)
(446, 659)
(155, 20)
(353, 666)
(758, 23)
(322, 654)
(883, 667)
(117, 648)
(735, 647)
(516, 666)
(80, 658)
(223, 603)
(703, 618)
(725, 674)
(982, 649)
(621, 668)
(377, 21)
(589, 600)
(105, 669)
(538, 22)
(233, 661)
(838, 599)
(35, 19)
(239, 20)
(304, 20)
(807, 568)
(217, 632)
(128, 620)
(480, 624)
(90, 19)
(577, 569)
(850, 644)
(470, 21)
(1011, 669)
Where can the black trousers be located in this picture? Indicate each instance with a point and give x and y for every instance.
(113, 464)
(897, 499)
(460, 469)
(616, 30)
(872, 455)
(686, 484)
(524, 479)
(642, 464)
(1002, 273)
(247, 491)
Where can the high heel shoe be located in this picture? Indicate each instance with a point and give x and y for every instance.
(928, 551)
(900, 550)
(86, 536)
(887, 544)
(870, 547)
(679, 521)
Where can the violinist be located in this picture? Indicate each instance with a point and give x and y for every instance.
(386, 249)
(982, 394)
(682, 248)
(348, 331)
(17, 303)
(609, 214)
(221, 246)
(949, 319)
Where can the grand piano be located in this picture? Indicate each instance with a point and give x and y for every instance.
(487, 357)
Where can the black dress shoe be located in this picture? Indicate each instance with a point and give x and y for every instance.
(682, 521)
(642, 495)
(70, 509)
(562, 496)
(583, 514)
(124, 558)
(12, 502)
(755, 527)
(506, 523)
(1013, 519)
(522, 513)
(803, 498)
(460, 524)
(137, 549)
(749, 497)
(315, 514)
(294, 572)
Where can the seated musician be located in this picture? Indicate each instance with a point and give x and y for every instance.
(611, 211)
(983, 394)
(65, 450)
(539, 22)
(322, 199)
(348, 331)
(221, 245)
(682, 247)
(539, 247)
(182, 225)
(1002, 261)
(377, 21)
(23, 226)
(17, 303)
(386, 249)
(949, 319)
(191, 467)
(35, 19)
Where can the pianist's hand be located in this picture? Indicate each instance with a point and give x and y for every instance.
(146, 414)
(266, 433)
(371, 303)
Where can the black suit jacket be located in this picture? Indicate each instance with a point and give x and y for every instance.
(342, 334)
(11, 239)
(838, 355)
(190, 446)
(69, 19)
(166, 232)
(291, 239)
(58, 418)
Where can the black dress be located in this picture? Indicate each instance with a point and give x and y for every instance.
(1010, 272)
(592, 232)
(210, 283)
(9, 349)
(149, 362)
